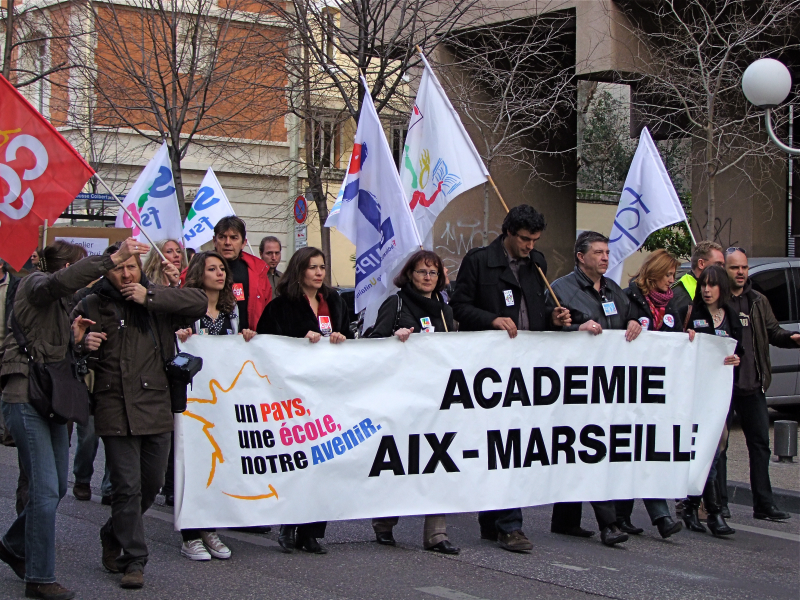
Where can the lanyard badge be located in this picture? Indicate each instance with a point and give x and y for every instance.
(609, 308)
(325, 326)
(509, 297)
(427, 326)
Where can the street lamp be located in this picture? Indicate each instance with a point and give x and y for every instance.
(766, 83)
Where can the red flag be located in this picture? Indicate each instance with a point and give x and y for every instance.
(40, 174)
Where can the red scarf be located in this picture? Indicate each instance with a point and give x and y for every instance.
(657, 301)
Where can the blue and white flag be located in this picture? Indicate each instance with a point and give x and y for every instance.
(371, 209)
(648, 203)
(153, 202)
(209, 206)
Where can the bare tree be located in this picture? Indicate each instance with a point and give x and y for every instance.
(691, 88)
(514, 87)
(36, 38)
(189, 72)
(339, 41)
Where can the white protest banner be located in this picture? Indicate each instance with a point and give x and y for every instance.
(279, 430)
(439, 159)
(154, 202)
(371, 209)
(648, 203)
(209, 206)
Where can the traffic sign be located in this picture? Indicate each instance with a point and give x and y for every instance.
(300, 210)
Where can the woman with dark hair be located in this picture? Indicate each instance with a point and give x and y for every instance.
(41, 312)
(209, 272)
(305, 308)
(418, 306)
(710, 314)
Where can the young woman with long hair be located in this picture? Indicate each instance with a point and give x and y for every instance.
(165, 272)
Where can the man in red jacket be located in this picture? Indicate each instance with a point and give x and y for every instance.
(250, 282)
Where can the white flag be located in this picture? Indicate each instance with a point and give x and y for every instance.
(153, 202)
(209, 206)
(648, 203)
(371, 209)
(439, 160)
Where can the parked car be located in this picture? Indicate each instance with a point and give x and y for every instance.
(779, 280)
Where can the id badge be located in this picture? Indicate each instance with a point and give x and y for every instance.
(202, 332)
(238, 292)
(427, 326)
(700, 323)
(325, 326)
(644, 322)
(509, 296)
(744, 319)
(721, 332)
(609, 308)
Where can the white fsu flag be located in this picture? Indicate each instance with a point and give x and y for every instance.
(153, 202)
(439, 160)
(371, 208)
(209, 206)
(648, 203)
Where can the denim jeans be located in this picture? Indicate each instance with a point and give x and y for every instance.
(85, 453)
(656, 509)
(507, 520)
(44, 450)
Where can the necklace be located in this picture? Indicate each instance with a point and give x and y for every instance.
(718, 316)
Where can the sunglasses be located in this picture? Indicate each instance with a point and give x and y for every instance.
(733, 249)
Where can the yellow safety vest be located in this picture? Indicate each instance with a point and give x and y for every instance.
(689, 283)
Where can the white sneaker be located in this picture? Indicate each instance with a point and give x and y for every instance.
(194, 550)
(215, 545)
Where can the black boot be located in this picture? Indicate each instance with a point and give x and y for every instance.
(690, 518)
(711, 499)
(286, 538)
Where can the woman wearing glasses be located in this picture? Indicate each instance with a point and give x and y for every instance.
(305, 308)
(417, 307)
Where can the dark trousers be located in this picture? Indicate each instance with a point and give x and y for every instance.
(306, 530)
(754, 417)
(656, 509)
(507, 520)
(567, 515)
(137, 464)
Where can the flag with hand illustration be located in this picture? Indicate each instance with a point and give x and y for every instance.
(648, 202)
(439, 160)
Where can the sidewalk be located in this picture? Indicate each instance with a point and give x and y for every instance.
(785, 477)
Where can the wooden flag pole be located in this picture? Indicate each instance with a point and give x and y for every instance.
(547, 283)
(130, 216)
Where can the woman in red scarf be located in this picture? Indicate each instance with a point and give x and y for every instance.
(650, 293)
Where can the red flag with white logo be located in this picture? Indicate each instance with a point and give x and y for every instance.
(40, 174)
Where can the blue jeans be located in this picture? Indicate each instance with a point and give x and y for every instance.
(85, 453)
(44, 451)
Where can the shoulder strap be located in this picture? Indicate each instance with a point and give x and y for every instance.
(688, 316)
(19, 337)
(397, 314)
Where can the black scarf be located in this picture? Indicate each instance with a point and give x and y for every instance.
(421, 306)
(139, 315)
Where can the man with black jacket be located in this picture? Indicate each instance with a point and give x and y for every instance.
(499, 287)
(596, 303)
(759, 329)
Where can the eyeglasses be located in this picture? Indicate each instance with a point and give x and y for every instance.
(422, 273)
(733, 249)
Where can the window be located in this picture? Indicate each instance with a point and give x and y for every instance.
(34, 63)
(774, 284)
(327, 143)
(398, 136)
(200, 54)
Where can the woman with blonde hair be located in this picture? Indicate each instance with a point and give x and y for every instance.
(165, 272)
(652, 304)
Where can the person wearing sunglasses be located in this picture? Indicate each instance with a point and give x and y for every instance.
(501, 286)
(760, 329)
(418, 307)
